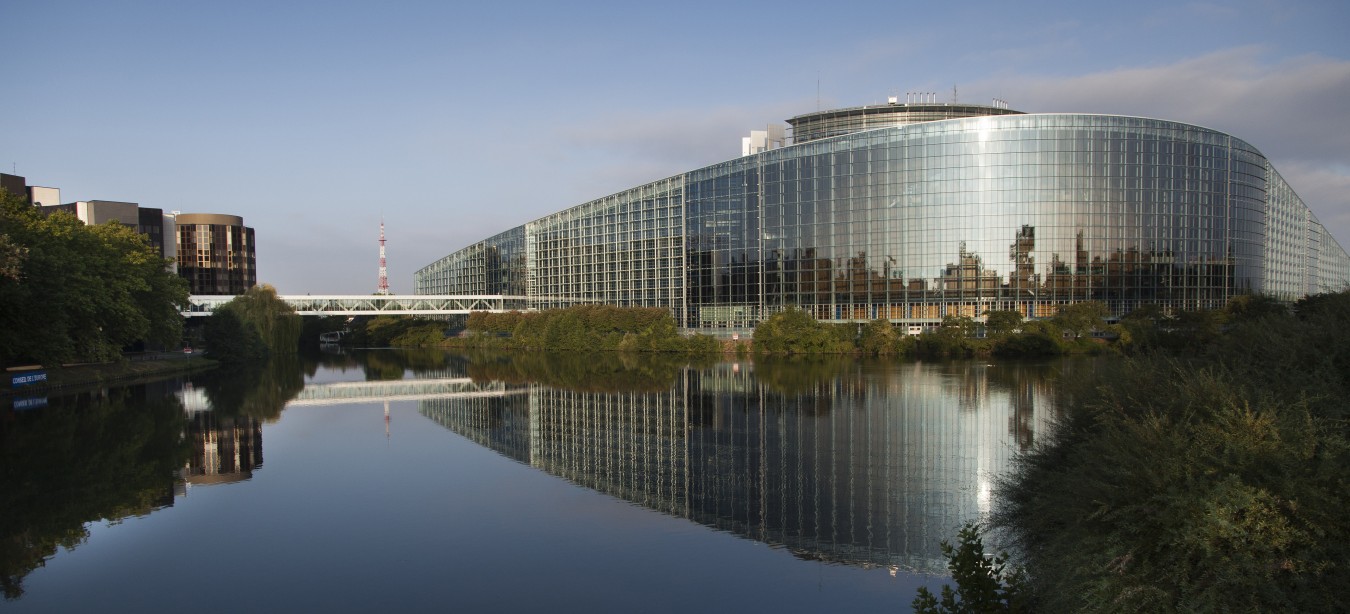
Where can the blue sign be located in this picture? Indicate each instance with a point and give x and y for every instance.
(27, 378)
(29, 403)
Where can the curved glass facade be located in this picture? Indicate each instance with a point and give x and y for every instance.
(911, 223)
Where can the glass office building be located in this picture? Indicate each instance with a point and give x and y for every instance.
(913, 220)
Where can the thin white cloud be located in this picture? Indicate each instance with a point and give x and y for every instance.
(1283, 107)
(1294, 110)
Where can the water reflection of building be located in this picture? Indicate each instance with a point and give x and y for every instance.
(878, 475)
(224, 448)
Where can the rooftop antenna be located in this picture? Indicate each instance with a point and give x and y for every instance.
(384, 272)
(953, 93)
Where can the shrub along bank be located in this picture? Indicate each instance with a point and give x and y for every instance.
(1203, 477)
(793, 331)
(580, 328)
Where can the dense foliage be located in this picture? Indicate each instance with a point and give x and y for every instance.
(585, 328)
(1003, 333)
(794, 331)
(397, 331)
(595, 372)
(254, 324)
(230, 341)
(984, 583)
(259, 389)
(101, 456)
(77, 293)
(1208, 480)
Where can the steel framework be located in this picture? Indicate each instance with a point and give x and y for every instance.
(368, 305)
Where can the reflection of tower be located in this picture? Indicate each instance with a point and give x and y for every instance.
(386, 418)
(384, 272)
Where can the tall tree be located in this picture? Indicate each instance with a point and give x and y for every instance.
(275, 321)
(1082, 318)
(1002, 322)
(73, 292)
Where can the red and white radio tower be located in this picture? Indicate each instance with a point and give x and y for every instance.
(384, 272)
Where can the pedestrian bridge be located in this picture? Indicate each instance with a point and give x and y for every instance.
(373, 305)
(338, 393)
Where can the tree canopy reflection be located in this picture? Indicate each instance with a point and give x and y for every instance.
(598, 372)
(98, 456)
(257, 390)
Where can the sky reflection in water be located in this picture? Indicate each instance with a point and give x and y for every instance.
(829, 484)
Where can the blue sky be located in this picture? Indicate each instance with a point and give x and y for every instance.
(457, 121)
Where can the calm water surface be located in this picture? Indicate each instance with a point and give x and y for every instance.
(396, 480)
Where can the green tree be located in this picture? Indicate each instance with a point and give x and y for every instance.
(793, 331)
(1247, 307)
(80, 293)
(959, 327)
(1194, 329)
(1141, 328)
(231, 341)
(277, 324)
(1001, 323)
(983, 583)
(879, 338)
(951, 340)
(1082, 318)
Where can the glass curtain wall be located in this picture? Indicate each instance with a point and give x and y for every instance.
(497, 265)
(959, 217)
(914, 223)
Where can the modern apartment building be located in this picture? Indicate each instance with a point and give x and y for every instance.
(215, 253)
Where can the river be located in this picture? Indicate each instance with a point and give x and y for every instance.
(421, 480)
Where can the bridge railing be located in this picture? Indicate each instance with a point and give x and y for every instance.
(354, 305)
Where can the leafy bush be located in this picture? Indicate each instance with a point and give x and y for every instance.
(584, 328)
(793, 331)
(879, 338)
(231, 341)
(1211, 482)
(983, 583)
(272, 319)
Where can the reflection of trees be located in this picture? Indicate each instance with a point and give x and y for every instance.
(89, 458)
(391, 365)
(802, 375)
(258, 390)
(599, 372)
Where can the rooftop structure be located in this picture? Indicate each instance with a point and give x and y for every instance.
(919, 108)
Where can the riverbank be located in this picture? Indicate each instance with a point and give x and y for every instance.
(122, 372)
